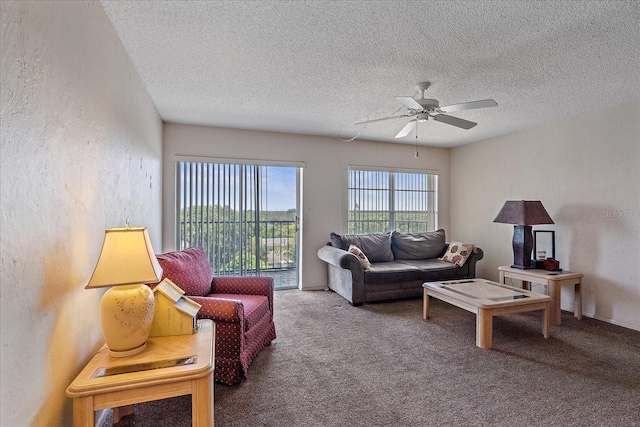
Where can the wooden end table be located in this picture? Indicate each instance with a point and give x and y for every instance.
(486, 299)
(554, 280)
(170, 366)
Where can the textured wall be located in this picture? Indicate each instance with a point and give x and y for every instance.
(325, 178)
(81, 151)
(586, 173)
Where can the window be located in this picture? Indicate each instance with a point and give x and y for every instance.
(243, 216)
(382, 201)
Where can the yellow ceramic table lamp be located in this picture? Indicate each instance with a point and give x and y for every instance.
(127, 262)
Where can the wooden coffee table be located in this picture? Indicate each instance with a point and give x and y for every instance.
(169, 366)
(486, 299)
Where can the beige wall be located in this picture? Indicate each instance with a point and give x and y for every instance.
(326, 161)
(80, 151)
(586, 172)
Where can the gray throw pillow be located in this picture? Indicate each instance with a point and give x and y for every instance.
(418, 245)
(336, 241)
(376, 246)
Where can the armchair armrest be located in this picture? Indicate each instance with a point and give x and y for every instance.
(219, 309)
(244, 285)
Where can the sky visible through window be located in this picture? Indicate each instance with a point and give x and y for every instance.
(280, 188)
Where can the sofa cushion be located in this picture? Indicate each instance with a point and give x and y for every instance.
(361, 257)
(434, 270)
(458, 252)
(418, 245)
(255, 307)
(189, 269)
(376, 246)
(391, 272)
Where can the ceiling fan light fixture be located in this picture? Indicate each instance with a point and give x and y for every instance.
(423, 117)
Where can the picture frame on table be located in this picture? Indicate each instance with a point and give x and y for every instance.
(544, 244)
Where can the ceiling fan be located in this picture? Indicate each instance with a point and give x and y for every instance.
(424, 108)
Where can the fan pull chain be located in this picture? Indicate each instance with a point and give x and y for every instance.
(416, 155)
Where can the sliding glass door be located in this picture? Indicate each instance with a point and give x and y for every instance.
(244, 216)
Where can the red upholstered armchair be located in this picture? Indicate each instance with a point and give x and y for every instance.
(241, 307)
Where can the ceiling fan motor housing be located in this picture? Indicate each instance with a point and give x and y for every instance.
(429, 104)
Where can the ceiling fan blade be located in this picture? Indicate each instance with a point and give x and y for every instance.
(379, 120)
(469, 105)
(454, 121)
(406, 129)
(409, 102)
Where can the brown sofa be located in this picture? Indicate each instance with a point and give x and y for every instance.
(241, 307)
(400, 264)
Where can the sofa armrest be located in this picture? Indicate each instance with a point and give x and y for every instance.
(220, 309)
(341, 258)
(345, 273)
(475, 256)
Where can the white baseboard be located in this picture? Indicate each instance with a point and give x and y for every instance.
(606, 319)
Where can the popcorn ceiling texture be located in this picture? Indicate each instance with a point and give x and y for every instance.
(81, 151)
(316, 67)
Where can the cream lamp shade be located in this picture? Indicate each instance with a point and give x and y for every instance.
(126, 263)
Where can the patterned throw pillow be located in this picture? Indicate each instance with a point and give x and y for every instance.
(361, 257)
(458, 253)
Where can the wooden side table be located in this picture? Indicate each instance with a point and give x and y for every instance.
(169, 366)
(554, 280)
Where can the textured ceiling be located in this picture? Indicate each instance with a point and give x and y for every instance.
(316, 67)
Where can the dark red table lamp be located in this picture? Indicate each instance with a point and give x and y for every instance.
(523, 214)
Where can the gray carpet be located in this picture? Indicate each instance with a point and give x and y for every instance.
(382, 365)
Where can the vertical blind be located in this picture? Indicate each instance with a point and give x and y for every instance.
(243, 216)
(218, 210)
(382, 201)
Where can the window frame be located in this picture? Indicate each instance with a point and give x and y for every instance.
(429, 191)
(242, 203)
